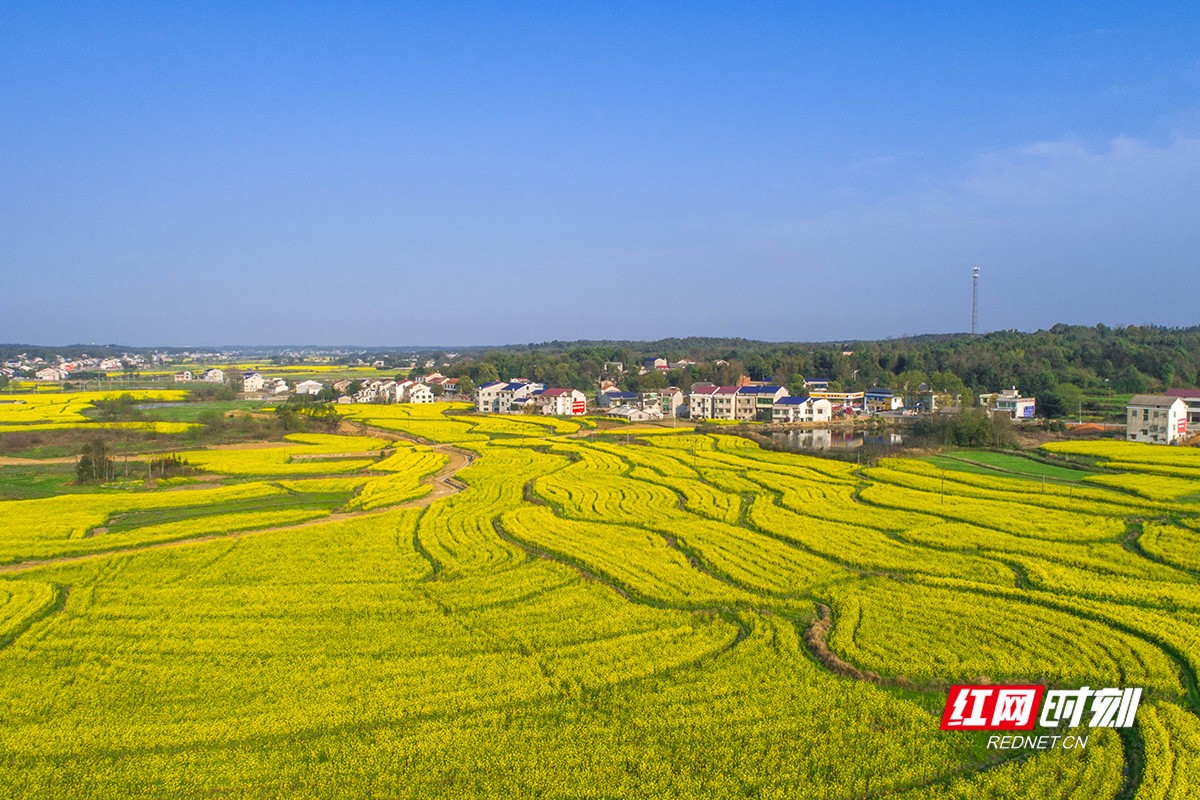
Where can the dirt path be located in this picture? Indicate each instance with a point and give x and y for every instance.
(443, 482)
(9, 461)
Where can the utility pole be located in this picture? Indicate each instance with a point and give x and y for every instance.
(974, 301)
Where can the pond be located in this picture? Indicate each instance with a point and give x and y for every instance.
(837, 439)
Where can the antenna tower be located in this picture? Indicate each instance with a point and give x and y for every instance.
(974, 301)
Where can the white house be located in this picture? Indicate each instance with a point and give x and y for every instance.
(560, 402)
(1191, 398)
(669, 401)
(801, 409)
(418, 393)
(498, 396)
(183, 377)
(1011, 402)
(214, 375)
(252, 382)
(486, 396)
(1155, 418)
(50, 374)
(309, 387)
(374, 390)
(700, 401)
(277, 386)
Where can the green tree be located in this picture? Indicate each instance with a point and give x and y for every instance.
(95, 463)
(484, 372)
(1064, 401)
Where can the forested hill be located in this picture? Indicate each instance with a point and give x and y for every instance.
(1121, 360)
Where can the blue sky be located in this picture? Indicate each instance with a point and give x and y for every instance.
(457, 173)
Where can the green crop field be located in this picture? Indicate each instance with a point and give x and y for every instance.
(505, 607)
(988, 462)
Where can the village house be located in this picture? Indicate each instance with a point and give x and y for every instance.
(801, 409)
(613, 398)
(498, 396)
(700, 401)
(669, 401)
(724, 404)
(755, 402)
(1009, 402)
(881, 400)
(252, 382)
(844, 402)
(309, 387)
(50, 374)
(213, 375)
(277, 386)
(1156, 418)
(1190, 398)
(418, 393)
(183, 377)
(560, 402)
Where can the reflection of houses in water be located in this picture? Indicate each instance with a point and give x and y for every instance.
(835, 439)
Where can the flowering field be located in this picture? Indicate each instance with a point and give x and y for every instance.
(57, 410)
(658, 615)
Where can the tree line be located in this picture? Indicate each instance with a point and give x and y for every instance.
(1059, 365)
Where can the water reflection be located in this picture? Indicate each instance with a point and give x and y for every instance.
(836, 439)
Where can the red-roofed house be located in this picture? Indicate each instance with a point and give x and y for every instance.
(725, 402)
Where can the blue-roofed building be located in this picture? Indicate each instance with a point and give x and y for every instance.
(801, 409)
(816, 384)
(611, 399)
(755, 402)
(497, 397)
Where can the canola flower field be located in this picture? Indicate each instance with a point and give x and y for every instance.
(658, 614)
(60, 411)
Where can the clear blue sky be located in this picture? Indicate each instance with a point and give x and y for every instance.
(409, 173)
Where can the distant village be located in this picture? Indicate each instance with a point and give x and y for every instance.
(1159, 419)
